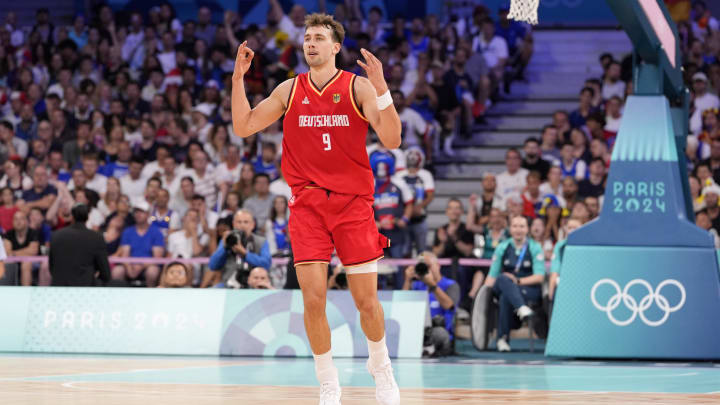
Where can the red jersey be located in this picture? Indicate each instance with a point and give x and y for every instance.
(324, 137)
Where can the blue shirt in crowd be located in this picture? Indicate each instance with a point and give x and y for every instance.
(141, 245)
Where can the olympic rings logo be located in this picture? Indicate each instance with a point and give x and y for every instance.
(645, 303)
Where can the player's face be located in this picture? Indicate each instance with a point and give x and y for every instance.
(319, 47)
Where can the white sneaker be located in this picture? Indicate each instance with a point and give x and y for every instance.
(330, 393)
(523, 312)
(386, 389)
(502, 345)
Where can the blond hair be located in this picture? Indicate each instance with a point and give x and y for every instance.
(327, 21)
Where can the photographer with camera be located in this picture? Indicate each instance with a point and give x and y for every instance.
(239, 252)
(443, 298)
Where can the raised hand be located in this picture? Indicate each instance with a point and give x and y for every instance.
(373, 68)
(242, 61)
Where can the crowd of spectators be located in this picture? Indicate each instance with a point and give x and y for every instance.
(129, 113)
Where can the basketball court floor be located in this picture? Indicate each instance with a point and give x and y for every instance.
(471, 378)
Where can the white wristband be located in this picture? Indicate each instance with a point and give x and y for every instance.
(384, 101)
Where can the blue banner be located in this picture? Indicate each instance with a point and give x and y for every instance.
(191, 321)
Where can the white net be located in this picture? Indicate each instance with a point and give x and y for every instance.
(524, 10)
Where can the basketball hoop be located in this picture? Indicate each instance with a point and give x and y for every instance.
(524, 10)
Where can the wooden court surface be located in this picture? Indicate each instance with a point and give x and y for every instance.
(16, 389)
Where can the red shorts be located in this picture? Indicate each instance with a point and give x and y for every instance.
(322, 221)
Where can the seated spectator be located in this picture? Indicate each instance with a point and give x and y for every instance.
(513, 179)
(393, 206)
(599, 149)
(11, 145)
(78, 177)
(15, 179)
(260, 203)
(531, 197)
(557, 257)
(245, 185)
(553, 212)
(231, 205)
(514, 205)
(7, 209)
(414, 126)
(580, 145)
(570, 165)
(218, 146)
(480, 208)
(695, 191)
(266, 163)
(182, 200)
(280, 187)
(22, 241)
(702, 100)
(577, 117)
(493, 233)
(42, 195)
(594, 184)
(112, 236)
(175, 275)
(561, 122)
(140, 240)
(516, 277)
(612, 86)
(153, 186)
(259, 279)
(73, 150)
(596, 85)
(422, 185)
(444, 296)
(712, 208)
(553, 185)
(227, 173)
(161, 215)
(580, 211)
(202, 173)
(538, 234)
(121, 165)
(254, 253)
(593, 206)
(276, 227)
(533, 160)
(207, 220)
(93, 179)
(454, 240)
(549, 142)
(133, 184)
(613, 115)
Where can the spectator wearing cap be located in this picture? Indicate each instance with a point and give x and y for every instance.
(702, 100)
(133, 184)
(78, 256)
(140, 240)
(41, 195)
(710, 197)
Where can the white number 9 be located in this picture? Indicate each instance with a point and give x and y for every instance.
(326, 141)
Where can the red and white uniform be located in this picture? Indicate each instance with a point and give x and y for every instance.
(326, 165)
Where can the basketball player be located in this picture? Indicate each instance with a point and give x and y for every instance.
(325, 162)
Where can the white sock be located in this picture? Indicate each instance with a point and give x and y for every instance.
(378, 352)
(324, 368)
